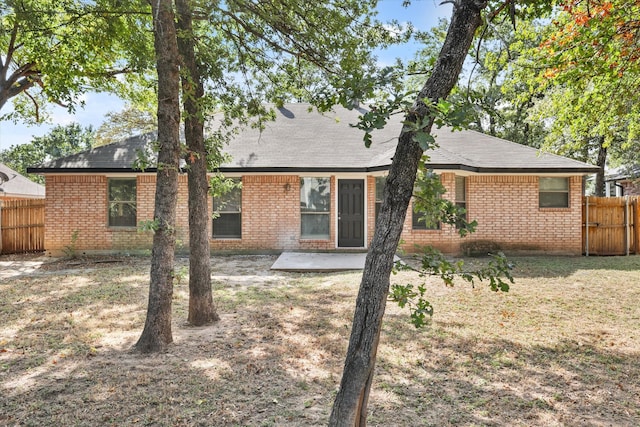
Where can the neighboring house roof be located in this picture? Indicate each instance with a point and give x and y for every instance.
(300, 141)
(12, 184)
(623, 173)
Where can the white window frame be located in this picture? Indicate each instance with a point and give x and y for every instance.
(327, 212)
(552, 190)
(111, 202)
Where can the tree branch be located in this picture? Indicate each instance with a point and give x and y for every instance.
(308, 54)
(10, 50)
(35, 105)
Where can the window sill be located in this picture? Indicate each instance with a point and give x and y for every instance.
(122, 228)
(564, 209)
(225, 238)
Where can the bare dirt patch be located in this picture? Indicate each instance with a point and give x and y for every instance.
(561, 348)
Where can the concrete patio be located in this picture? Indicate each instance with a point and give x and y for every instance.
(315, 262)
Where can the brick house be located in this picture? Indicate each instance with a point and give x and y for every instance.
(309, 184)
(623, 181)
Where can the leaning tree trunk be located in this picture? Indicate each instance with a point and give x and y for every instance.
(156, 335)
(201, 307)
(601, 162)
(350, 405)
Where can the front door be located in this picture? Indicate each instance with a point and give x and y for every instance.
(351, 213)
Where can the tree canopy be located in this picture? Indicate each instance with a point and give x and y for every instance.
(120, 125)
(53, 51)
(587, 68)
(556, 83)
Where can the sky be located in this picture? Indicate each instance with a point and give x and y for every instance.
(423, 14)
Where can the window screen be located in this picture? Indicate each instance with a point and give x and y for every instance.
(122, 202)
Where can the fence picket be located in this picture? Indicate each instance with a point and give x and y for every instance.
(21, 226)
(610, 225)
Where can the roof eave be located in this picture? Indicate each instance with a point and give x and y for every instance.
(276, 169)
(42, 171)
(578, 170)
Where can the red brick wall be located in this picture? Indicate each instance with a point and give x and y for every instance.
(444, 239)
(77, 205)
(506, 208)
(271, 216)
(631, 187)
(507, 212)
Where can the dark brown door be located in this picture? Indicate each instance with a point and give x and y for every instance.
(350, 213)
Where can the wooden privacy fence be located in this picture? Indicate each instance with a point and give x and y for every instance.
(21, 226)
(610, 225)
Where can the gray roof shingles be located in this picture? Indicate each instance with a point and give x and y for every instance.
(623, 173)
(302, 141)
(18, 185)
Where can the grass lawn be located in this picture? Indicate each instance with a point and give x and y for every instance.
(562, 348)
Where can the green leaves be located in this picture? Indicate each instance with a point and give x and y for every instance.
(59, 142)
(497, 273)
(419, 308)
(435, 209)
(152, 225)
(118, 126)
(424, 139)
(225, 191)
(53, 51)
(587, 63)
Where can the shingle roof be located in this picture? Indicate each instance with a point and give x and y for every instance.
(17, 185)
(302, 141)
(623, 172)
(116, 157)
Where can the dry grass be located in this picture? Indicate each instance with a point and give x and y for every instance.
(561, 348)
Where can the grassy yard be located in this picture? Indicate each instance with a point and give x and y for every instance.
(562, 348)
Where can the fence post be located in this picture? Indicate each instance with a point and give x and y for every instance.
(627, 241)
(586, 226)
(1, 205)
(636, 224)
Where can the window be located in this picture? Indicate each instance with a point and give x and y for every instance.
(380, 183)
(461, 197)
(315, 202)
(122, 202)
(228, 209)
(554, 193)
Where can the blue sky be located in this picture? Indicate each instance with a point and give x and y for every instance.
(423, 14)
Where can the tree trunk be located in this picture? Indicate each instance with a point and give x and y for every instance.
(156, 335)
(201, 307)
(492, 123)
(601, 163)
(350, 405)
